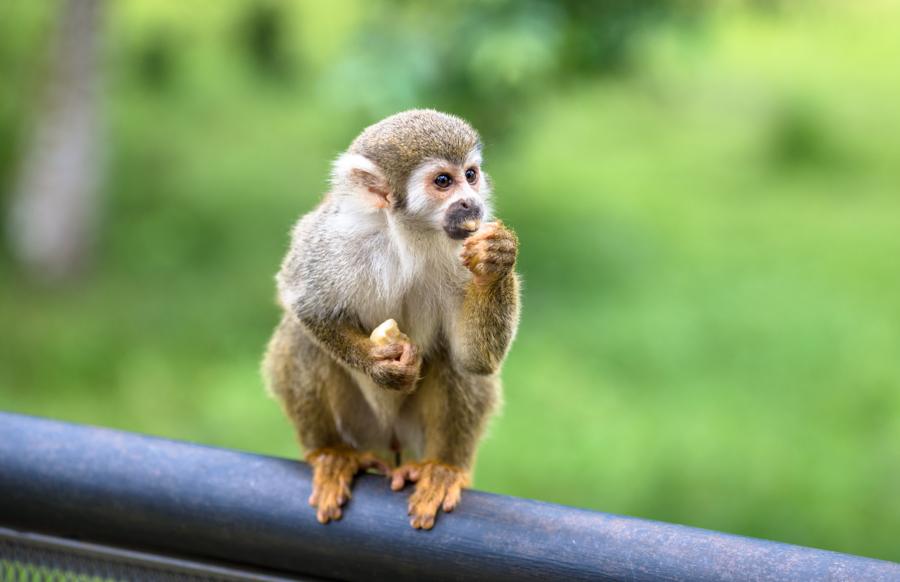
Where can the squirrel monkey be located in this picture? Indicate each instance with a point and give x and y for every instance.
(406, 233)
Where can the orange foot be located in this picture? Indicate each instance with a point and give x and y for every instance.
(438, 486)
(333, 471)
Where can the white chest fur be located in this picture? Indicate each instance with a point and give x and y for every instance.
(412, 278)
(416, 279)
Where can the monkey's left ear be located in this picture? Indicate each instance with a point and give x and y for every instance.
(357, 173)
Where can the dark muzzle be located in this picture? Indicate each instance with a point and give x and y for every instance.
(463, 217)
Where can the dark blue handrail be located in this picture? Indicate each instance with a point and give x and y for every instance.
(135, 491)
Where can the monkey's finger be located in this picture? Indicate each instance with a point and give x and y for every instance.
(325, 511)
(482, 249)
(343, 489)
(423, 506)
(319, 484)
(501, 244)
(473, 241)
(410, 353)
(475, 248)
(328, 513)
(502, 232)
(388, 352)
(394, 370)
(473, 262)
(399, 476)
(494, 256)
(334, 496)
(486, 230)
(451, 500)
(469, 261)
(403, 474)
(423, 520)
(477, 243)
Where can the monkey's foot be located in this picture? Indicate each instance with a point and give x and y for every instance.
(333, 471)
(438, 486)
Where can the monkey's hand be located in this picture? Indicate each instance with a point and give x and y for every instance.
(333, 471)
(438, 486)
(490, 253)
(395, 365)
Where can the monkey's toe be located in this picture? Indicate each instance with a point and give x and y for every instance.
(328, 497)
(438, 486)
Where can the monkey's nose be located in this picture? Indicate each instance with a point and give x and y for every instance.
(465, 206)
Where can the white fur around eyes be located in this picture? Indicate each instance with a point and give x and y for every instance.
(418, 202)
(421, 205)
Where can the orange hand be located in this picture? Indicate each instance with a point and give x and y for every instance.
(490, 253)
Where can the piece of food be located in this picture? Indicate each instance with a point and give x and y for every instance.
(387, 333)
(471, 224)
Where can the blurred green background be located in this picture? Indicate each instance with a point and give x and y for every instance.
(706, 195)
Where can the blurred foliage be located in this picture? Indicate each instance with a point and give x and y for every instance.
(155, 60)
(706, 197)
(263, 36)
(22, 26)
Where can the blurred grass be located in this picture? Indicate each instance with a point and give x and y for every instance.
(709, 247)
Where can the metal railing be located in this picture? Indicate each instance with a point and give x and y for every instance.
(237, 515)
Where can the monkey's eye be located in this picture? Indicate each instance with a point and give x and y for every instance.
(443, 181)
(471, 176)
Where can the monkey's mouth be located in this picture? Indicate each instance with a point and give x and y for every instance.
(460, 223)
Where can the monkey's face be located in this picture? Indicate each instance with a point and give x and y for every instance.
(451, 197)
(422, 166)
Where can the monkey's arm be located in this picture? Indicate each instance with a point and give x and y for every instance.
(394, 366)
(489, 318)
(490, 306)
(342, 340)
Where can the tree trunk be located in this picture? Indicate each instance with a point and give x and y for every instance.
(55, 201)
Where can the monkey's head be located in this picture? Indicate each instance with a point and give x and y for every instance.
(422, 165)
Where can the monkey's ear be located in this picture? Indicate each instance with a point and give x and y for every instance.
(357, 173)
